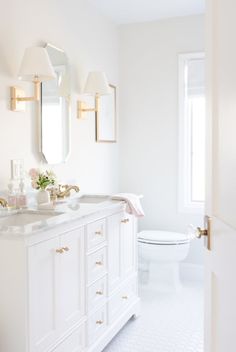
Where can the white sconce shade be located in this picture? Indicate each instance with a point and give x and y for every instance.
(36, 65)
(97, 84)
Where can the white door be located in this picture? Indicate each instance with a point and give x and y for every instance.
(220, 303)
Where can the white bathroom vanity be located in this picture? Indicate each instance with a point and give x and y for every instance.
(68, 277)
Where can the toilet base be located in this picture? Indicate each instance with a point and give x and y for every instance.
(162, 277)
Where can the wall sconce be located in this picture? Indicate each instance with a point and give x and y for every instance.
(96, 85)
(35, 67)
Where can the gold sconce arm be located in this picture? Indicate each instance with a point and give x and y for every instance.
(96, 85)
(82, 107)
(18, 97)
(35, 67)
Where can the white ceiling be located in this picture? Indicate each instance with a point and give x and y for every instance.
(130, 11)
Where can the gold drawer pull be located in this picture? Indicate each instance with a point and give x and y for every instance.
(60, 250)
(66, 249)
(99, 263)
(99, 322)
(99, 293)
(124, 221)
(98, 233)
(125, 297)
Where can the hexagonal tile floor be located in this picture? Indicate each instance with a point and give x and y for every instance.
(168, 323)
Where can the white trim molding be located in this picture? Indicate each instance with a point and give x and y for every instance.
(185, 203)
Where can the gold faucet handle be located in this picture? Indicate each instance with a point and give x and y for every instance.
(61, 188)
(65, 190)
(3, 203)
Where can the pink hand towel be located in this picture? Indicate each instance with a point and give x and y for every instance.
(133, 204)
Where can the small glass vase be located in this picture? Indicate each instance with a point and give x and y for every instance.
(43, 196)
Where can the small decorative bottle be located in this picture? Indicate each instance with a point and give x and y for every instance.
(21, 198)
(11, 195)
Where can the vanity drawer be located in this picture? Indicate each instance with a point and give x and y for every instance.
(119, 301)
(96, 293)
(96, 233)
(96, 265)
(97, 324)
(73, 343)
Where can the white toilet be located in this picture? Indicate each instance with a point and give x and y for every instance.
(160, 253)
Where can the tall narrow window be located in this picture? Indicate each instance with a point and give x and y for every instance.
(191, 132)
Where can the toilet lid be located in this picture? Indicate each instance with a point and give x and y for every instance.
(163, 237)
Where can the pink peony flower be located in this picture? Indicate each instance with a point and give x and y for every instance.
(41, 180)
(33, 173)
(34, 184)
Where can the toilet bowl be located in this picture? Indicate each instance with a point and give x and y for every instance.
(160, 253)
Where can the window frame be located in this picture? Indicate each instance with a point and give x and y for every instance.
(185, 204)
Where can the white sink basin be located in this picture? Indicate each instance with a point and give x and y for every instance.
(94, 199)
(23, 218)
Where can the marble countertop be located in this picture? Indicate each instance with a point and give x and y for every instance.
(63, 212)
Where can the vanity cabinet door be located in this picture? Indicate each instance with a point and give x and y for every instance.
(128, 244)
(71, 274)
(43, 288)
(121, 248)
(114, 250)
(56, 288)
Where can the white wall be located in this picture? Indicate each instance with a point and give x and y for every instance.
(90, 42)
(148, 87)
(149, 117)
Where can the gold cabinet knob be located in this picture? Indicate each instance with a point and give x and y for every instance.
(125, 297)
(99, 263)
(98, 233)
(99, 293)
(99, 322)
(60, 250)
(66, 249)
(124, 221)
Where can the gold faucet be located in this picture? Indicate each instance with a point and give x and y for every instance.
(3, 203)
(63, 191)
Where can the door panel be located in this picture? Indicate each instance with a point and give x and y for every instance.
(43, 289)
(71, 273)
(114, 250)
(128, 243)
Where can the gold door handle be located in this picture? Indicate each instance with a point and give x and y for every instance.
(201, 232)
(198, 232)
(66, 249)
(125, 297)
(99, 322)
(99, 293)
(98, 233)
(99, 263)
(60, 250)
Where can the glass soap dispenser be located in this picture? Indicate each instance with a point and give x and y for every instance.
(21, 198)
